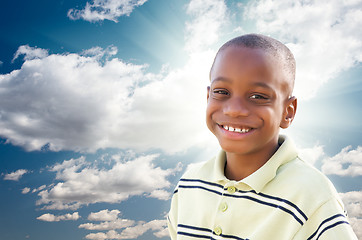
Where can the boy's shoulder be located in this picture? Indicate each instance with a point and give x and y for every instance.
(301, 183)
(299, 173)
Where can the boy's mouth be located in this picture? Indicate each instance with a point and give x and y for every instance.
(236, 129)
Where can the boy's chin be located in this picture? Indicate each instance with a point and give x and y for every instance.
(236, 148)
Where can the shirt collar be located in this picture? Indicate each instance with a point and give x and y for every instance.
(257, 180)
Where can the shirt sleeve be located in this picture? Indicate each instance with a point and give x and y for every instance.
(172, 216)
(328, 222)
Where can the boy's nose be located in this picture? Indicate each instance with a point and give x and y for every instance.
(236, 107)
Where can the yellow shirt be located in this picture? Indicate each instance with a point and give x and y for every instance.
(284, 199)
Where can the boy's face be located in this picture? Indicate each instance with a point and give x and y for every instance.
(248, 101)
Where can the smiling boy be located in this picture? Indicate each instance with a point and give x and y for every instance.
(257, 187)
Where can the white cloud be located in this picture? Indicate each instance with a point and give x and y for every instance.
(81, 103)
(104, 215)
(204, 29)
(345, 163)
(162, 233)
(312, 155)
(47, 217)
(100, 10)
(25, 190)
(30, 53)
(325, 36)
(138, 230)
(353, 203)
(38, 189)
(15, 176)
(99, 52)
(160, 194)
(356, 224)
(81, 184)
(132, 232)
(74, 101)
(108, 225)
(101, 235)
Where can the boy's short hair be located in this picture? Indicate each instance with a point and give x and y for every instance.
(271, 46)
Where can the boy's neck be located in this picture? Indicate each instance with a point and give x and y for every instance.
(239, 166)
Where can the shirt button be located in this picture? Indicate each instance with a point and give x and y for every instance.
(231, 189)
(223, 207)
(218, 230)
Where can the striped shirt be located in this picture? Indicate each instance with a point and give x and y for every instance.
(284, 199)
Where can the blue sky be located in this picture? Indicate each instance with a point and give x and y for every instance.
(102, 106)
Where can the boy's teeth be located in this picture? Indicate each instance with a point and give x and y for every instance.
(238, 130)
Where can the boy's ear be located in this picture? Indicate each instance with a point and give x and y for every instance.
(208, 92)
(289, 112)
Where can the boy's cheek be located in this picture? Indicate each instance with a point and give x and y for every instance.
(208, 93)
(209, 124)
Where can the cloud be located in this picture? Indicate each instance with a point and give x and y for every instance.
(132, 232)
(130, 229)
(30, 53)
(15, 176)
(100, 10)
(104, 215)
(312, 155)
(47, 217)
(72, 97)
(325, 36)
(82, 103)
(80, 183)
(100, 53)
(108, 225)
(160, 194)
(138, 230)
(356, 224)
(204, 29)
(345, 163)
(38, 189)
(353, 203)
(25, 190)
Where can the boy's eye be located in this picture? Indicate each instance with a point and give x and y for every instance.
(221, 91)
(258, 96)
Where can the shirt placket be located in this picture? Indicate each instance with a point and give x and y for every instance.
(223, 209)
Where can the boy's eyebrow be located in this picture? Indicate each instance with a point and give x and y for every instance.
(263, 85)
(222, 79)
(257, 84)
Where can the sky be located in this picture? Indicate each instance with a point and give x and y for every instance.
(102, 105)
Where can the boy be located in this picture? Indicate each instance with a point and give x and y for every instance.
(257, 187)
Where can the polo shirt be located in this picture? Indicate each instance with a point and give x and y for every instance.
(284, 199)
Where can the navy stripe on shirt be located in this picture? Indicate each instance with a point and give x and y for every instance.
(201, 181)
(203, 188)
(261, 194)
(329, 226)
(203, 233)
(292, 205)
(269, 204)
